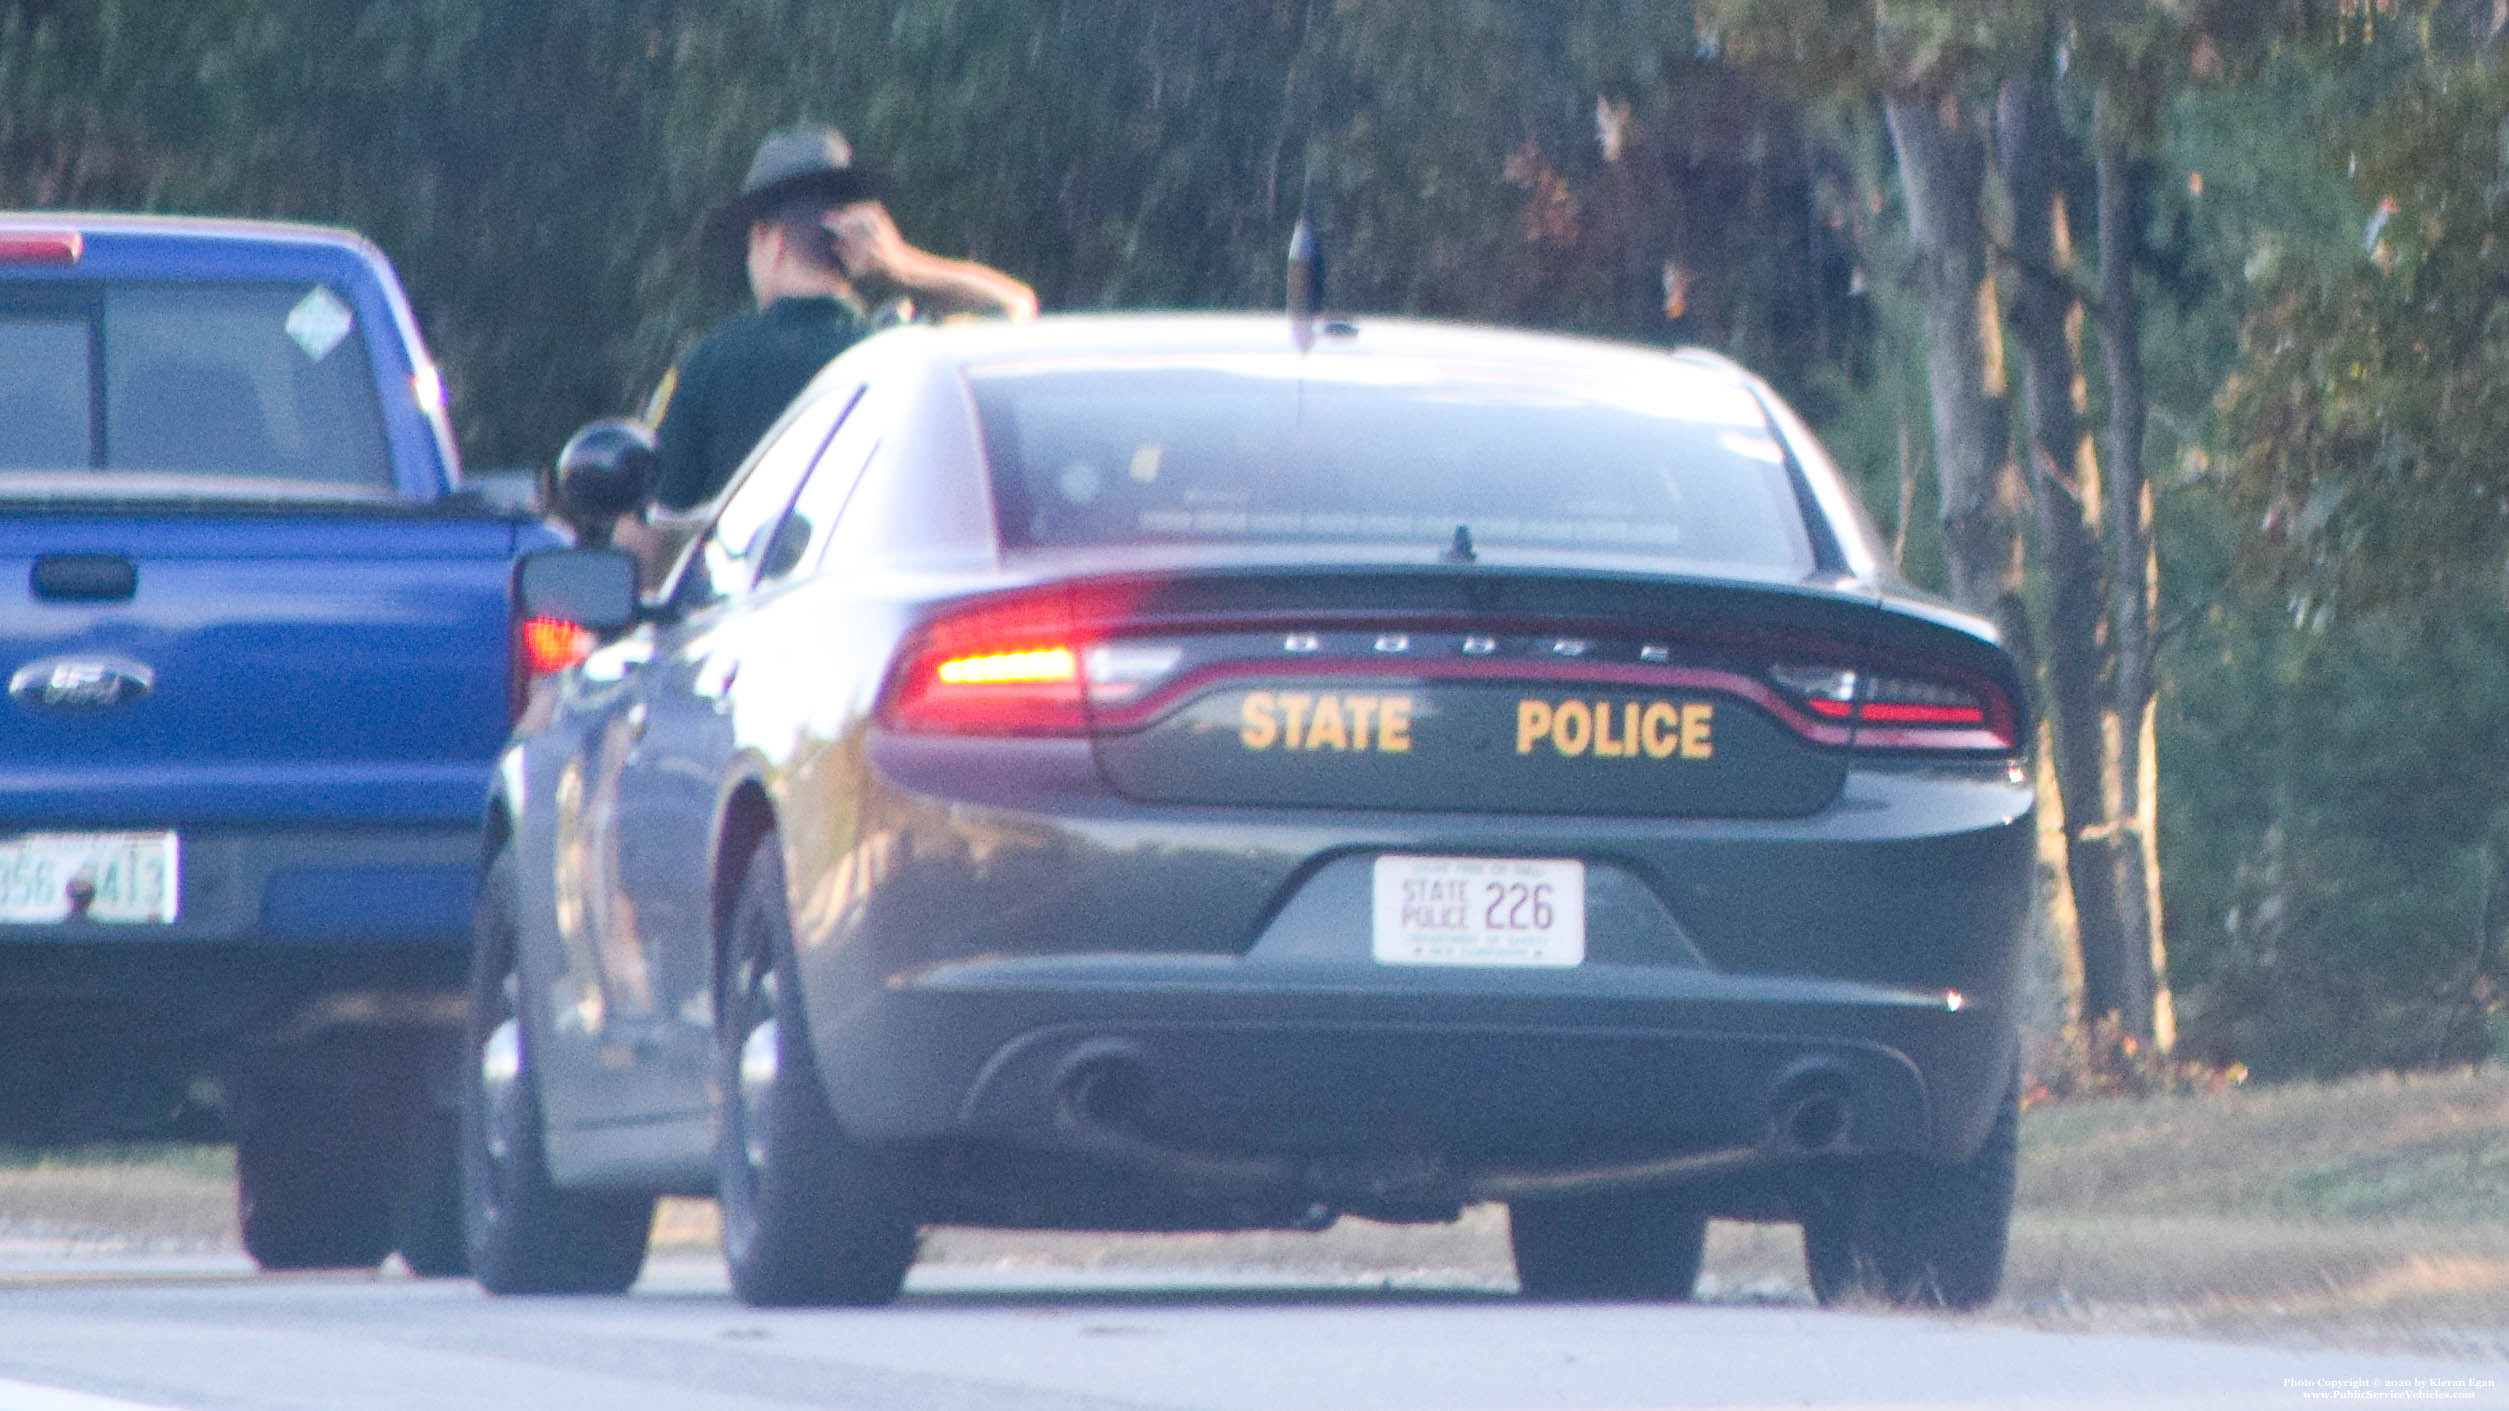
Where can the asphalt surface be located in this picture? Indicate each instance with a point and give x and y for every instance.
(122, 1332)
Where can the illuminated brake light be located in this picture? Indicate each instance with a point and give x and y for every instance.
(41, 247)
(552, 644)
(1043, 664)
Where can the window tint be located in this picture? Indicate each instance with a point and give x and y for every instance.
(262, 380)
(44, 382)
(1681, 464)
(726, 557)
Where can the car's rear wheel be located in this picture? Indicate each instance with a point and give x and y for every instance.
(524, 1234)
(427, 1216)
(809, 1216)
(1621, 1244)
(1915, 1233)
(312, 1179)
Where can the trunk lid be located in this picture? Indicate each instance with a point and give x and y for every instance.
(1467, 690)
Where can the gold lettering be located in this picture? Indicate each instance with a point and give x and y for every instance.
(1662, 726)
(1256, 729)
(1696, 722)
(1326, 726)
(1294, 705)
(1362, 713)
(1533, 721)
(1605, 747)
(1393, 725)
(1572, 728)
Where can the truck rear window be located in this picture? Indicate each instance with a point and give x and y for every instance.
(1356, 449)
(262, 381)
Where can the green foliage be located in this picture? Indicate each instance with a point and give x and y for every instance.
(2367, 419)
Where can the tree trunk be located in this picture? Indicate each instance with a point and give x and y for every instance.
(1942, 167)
(2064, 477)
(2134, 590)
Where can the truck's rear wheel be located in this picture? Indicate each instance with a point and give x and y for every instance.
(313, 1182)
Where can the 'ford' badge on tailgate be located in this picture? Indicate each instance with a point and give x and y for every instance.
(80, 683)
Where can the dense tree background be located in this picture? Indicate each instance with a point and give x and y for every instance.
(2312, 304)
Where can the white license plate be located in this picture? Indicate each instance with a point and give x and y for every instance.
(1480, 911)
(50, 877)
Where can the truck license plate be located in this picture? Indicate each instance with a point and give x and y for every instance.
(1480, 911)
(46, 878)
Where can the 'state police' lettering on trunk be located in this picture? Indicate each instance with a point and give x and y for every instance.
(1327, 720)
(1617, 729)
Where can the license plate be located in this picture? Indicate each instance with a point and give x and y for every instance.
(51, 877)
(1480, 911)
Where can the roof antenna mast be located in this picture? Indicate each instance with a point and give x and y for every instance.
(1306, 270)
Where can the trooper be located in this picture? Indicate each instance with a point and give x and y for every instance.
(810, 222)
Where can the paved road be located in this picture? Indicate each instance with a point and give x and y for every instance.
(125, 1333)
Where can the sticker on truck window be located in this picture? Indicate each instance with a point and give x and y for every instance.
(319, 321)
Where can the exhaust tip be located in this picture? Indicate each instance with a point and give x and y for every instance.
(1814, 1115)
(1103, 1087)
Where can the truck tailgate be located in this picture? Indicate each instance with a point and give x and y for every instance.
(320, 665)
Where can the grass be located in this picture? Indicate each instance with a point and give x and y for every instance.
(2372, 1213)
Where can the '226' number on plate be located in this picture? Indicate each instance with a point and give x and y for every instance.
(1517, 906)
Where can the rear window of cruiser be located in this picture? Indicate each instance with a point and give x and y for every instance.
(1677, 464)
(262, 381)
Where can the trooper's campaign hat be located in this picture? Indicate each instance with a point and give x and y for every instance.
(806, 164)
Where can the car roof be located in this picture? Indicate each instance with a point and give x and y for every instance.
(1078, 340)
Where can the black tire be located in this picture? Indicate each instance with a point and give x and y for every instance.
(523, 1235)
(1906, 1231)
(1621, 1245)
(809, 1217)
(313, 1184)
(427, 1218)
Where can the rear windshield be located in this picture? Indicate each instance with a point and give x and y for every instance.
(1352, 449)
(268, 381)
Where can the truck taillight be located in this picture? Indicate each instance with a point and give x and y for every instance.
(551, 644)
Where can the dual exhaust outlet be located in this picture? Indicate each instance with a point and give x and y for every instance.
(1102, 1089)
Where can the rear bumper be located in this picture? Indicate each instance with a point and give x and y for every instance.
(1491, 1079)
(299, 886)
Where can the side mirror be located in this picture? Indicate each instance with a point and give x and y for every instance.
(593, 588)
(605, 470)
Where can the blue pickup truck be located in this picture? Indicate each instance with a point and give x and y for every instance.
(259, 655)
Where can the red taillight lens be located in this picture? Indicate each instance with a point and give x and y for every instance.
(40, 247)
(1008, 669)
(1901, 711)
(552, 644)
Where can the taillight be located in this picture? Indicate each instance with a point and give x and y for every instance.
(552, 644)
(40, 247)
(1893, 710)
(1003, 669)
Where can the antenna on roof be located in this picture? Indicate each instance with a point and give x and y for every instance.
(1306, 271)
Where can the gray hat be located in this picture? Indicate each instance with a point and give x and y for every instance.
(805, 164)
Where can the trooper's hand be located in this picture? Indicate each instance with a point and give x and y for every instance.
(867, 240)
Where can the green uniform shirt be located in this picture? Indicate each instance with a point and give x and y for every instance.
(732, 386)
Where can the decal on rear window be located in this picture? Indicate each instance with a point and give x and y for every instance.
(319, 321)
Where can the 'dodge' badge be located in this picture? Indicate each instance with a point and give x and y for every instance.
(80, 683)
